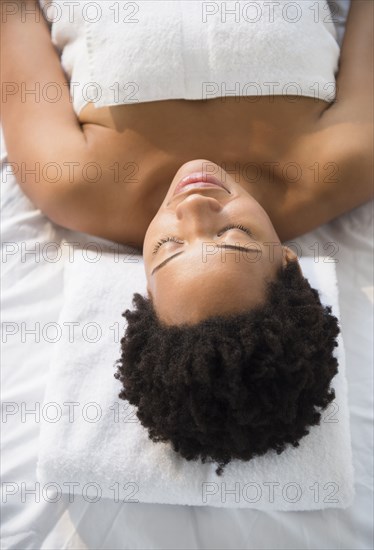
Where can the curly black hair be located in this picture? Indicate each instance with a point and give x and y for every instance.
(237, 386)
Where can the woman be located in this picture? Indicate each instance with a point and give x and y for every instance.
(231, 353)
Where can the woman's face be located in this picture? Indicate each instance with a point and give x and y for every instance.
(210, 249)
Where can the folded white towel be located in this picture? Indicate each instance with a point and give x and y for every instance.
(94, 440)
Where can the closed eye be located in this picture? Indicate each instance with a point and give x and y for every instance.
(172, 238)
(235, 226)
(166, 240)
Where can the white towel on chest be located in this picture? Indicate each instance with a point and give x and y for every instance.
(92, 439)
(153, 50)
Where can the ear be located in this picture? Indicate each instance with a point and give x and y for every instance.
(290, 256)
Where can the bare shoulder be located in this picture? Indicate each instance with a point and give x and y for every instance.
(336, 157)
(345, 130)
(340, 151)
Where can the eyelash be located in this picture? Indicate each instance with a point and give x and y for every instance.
(176, 240)
(236, 226)
(166, 240)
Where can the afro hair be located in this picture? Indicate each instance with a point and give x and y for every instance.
(237, 386)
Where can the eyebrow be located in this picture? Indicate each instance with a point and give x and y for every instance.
(230, 246)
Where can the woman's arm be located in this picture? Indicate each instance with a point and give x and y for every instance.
(355, 76)
(44, 138)
(344, 133)
(355, 82)
(41, 133)
(37, 129)
(340, 148)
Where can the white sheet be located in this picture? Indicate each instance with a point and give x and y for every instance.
(31, 293)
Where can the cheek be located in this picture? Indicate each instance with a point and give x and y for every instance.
(254, 209)
(255, 213)
(148, 239)
(148, 246)
(151, 234)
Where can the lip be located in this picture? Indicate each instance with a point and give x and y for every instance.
(198, 180)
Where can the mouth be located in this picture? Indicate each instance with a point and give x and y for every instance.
(198, 180)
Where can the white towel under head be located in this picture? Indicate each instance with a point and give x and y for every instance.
(91, 438)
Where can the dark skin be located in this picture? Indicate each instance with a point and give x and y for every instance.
(330, 143)
(218, 248)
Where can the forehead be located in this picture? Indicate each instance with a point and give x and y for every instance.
(190, 295)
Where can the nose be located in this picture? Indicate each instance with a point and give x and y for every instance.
(198, 211)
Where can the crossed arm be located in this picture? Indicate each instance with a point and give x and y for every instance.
(40, 131)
